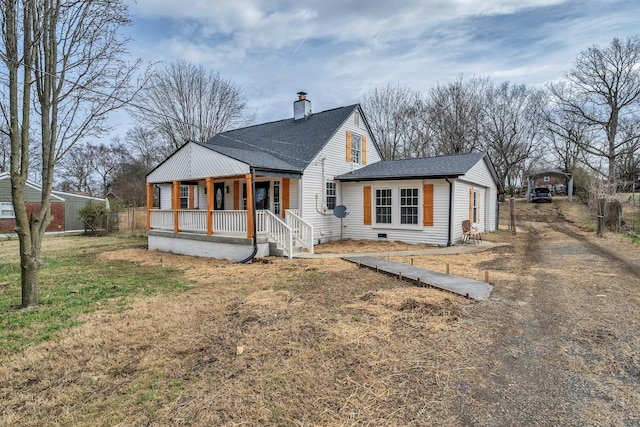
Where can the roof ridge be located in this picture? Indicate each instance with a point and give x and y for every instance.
(289, 118)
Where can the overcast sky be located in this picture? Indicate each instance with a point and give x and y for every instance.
(338, 50)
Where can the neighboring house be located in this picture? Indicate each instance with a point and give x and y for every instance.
(297, 171)
(65, 207)
(556, 181)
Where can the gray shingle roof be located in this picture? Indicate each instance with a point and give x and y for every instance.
(427, 167)
(288, 144)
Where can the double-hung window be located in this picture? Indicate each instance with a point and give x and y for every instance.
(331, 194)
(6, 210)
(383, 206)
(184, 197)
(409, 206)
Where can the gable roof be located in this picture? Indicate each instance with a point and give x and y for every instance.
(286, 144)
(451, 166)
(34, 186)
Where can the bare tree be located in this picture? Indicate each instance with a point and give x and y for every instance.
(105, 161)
(147, 147)
(185, 102)
(394, 114)
(5, 152)
(601, 91)
(76, 173)
(67, 60)
(512, 128)
(456, 114)
(566, 136)
(128, 183)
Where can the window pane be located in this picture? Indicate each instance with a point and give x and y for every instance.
(276, 197)
(383, 206)
(408, 206)
(6, 210)
(331, 195)
(356, 147)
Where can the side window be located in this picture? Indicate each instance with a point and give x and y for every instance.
(276, 197)
(474, 216)
(331, 194)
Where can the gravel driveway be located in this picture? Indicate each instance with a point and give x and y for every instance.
(560, 344)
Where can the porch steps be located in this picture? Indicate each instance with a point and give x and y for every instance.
(279, 251)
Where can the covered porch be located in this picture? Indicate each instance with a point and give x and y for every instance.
(216, 229)
(204, 203)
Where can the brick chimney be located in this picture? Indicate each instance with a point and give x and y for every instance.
(301, 107)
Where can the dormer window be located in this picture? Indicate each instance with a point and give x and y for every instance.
(356, 148)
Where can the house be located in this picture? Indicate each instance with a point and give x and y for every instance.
(65, 207)
(272, 189)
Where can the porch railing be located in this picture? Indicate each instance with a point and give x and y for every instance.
(230, 222)
(162, 219)
(302, 230)
(277, 231)
(191, 220)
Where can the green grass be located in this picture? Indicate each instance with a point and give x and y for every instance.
(74, 282)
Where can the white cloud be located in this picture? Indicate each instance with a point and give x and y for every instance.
(340, 49)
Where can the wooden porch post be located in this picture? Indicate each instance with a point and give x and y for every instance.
(175, 205)
(149, 204)
(210, 206)
(250, 217)
(191, 197)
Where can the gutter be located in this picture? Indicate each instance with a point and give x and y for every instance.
(255, 226)
(449, 242)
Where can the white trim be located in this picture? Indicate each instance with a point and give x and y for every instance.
(395, 223)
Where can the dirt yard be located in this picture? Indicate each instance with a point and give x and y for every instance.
(321, 342)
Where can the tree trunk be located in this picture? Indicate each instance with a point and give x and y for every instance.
(30, 268)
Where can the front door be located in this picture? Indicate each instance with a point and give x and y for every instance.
(218, 196)
(262, 195)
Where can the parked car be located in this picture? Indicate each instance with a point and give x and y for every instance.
(541, 194)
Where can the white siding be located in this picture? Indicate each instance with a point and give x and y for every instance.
(192, 162)
(293, 194)
(479, 177)
(353, 196)
(165, 196)
(331, 162)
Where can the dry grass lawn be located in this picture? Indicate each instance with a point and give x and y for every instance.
(278, 342)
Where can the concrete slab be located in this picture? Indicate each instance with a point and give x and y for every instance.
(458, 285)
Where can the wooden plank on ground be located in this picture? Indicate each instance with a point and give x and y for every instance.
(458, 285)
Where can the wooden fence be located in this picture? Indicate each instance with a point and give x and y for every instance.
(132, 219)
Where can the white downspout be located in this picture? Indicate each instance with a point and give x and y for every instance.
(323, 208)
